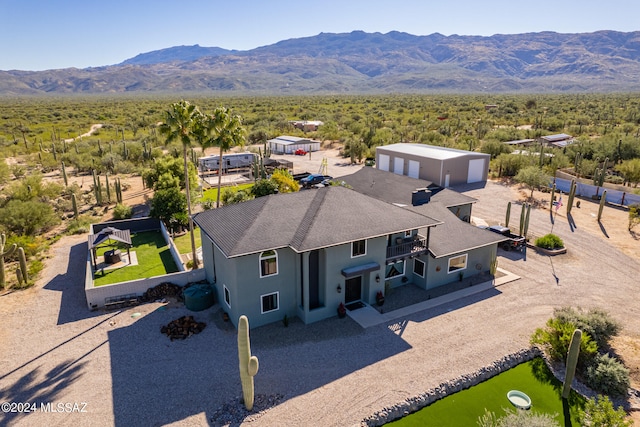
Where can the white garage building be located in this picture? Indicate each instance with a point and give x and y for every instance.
(289, 144)
(442, 166)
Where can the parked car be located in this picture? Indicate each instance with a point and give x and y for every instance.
(300, 152)
(315, 179)
(515, 242)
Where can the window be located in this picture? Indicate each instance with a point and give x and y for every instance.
(269, 302)
(418, 267)
(268, 263)
(227, 297)
(457, 263)
(395, 270)
(358, 248)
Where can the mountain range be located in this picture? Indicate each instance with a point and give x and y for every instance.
(359, 62)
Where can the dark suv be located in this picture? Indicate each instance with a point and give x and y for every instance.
(315, 179)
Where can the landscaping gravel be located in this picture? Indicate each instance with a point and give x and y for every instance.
(120, 370)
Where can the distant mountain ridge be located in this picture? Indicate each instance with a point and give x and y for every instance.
(360, 62)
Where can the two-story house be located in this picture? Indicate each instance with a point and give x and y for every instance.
(302, 254)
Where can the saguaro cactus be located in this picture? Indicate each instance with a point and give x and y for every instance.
(572, 195)
(74, 203)
(64, 174)
(506, 220)
(553, 194)
(3, 253)
(525, 228)
(23, 265)
(603, 200)
(248, 363)
(572, 362)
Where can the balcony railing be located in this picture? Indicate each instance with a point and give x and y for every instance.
(407, 247)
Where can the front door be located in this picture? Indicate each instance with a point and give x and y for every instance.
(353, 289)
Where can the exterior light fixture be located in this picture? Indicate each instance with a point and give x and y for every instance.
(377, 278)
(339, 288)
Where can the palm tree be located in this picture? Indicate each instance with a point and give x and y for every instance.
(182, 124)
(225, 131)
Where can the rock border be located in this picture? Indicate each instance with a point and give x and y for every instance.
(549, 252)
(413, 404)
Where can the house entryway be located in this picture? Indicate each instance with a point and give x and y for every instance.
(353, 293)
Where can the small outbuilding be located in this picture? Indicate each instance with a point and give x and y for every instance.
(560, 140)
(441, 165)
(290, 144)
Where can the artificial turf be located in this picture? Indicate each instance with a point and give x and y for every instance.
(154, 259)
(466, 407)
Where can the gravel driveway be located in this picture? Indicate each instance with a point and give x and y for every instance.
(332, 373)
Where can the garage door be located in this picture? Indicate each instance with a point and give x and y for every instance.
(476, 171)
(398, 165)
(414, 169)
(383, 162)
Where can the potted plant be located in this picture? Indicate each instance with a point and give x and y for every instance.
(380, 298)
(342, 310)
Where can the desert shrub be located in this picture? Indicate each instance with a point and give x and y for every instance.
(264, 187)
(634, 216)
(32, 245)
(27, 217)
(607, 375)
(517, 418)
(599, 412)
(556, 338)
(80, 225)
(549, 241)
(614, 179)
(285, 181)
(232, 196)
(122, 212)
(597, 323)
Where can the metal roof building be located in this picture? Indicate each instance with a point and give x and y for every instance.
(289, 144)
(441, 165)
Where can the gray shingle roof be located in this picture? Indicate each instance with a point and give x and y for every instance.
(393, 188)
(454, 236)
(305, 220)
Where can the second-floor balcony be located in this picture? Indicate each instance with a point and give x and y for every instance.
(404, 248)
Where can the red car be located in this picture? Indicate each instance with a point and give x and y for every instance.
(300, 152)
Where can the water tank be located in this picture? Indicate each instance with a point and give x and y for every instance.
(198, 297)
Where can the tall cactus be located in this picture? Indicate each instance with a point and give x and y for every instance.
(248, 363)
(64, 175)
(603, 200)
(525, 227)
(506, 220)
(106, 178)
(118, 188)
(553, 194)
(572, 362)
(3, 253)
(521, 229)
(571, 197)
(23, 272)
(74, 204)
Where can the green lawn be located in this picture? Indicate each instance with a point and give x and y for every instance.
(465, 407)
(212, 193)
(183, 243)
(154, 259)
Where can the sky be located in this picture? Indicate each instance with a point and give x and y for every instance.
(51, 34)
